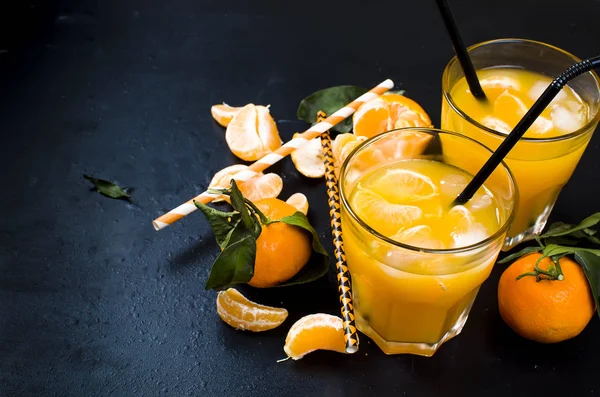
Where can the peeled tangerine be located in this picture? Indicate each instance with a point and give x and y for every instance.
(342, 146)
(260, 187)
(315, 332)
(252, 133)
(388, 112)
(243, 314)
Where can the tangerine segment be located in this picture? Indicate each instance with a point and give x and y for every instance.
(223, 114)
(260, 187)
(298, 201)
(243, 314)
(388, 112)
(315, 332)
(375, 210)
(308, 159)
(252, 133)
(342, 146)
(404, 186)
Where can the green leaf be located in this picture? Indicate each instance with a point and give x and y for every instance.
(555, 249)
(238, 204)
(590, 264)
(318, 264)
(329, 100)
(516, 255)
(562, 229)
(222, 223)
(235, 264)
(107, 188)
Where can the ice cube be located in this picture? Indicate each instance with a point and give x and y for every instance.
(539, 87)
(480, 201)
(472, 235)
(504, 82)
(496, 124)
(452, 184)
(419, 236)
(465, 231)
(565, 119)
(541, 125)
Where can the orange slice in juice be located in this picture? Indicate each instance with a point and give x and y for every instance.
(384, 216)
(315, 332)
(252, 133)
(388, 112)
(509, 108)
(404, 186)
(240, 313)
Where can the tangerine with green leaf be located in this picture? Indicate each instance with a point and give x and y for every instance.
(282, 250)
(547, 304)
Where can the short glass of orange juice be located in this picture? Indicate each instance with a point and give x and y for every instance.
(513, 74)
(416, 261)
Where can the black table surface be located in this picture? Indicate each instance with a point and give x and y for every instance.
(93, 301)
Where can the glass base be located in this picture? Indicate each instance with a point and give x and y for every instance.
(527, 235)
(419, 349)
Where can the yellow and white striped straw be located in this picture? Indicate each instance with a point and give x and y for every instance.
(260, 165)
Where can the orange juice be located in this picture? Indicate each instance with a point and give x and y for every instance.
(412, 300)
(542, 162)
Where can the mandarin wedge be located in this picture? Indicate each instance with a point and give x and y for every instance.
(388, 112)
(315, 332)
(223, 114)
(308, 159)
(298, 201)
(243, 314)
(252, 133)
(342, 146)
(262, 186)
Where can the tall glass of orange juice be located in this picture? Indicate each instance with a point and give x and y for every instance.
(416, 261)
(513, 74)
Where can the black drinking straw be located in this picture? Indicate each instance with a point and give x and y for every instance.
(461, 50)
(522, 126)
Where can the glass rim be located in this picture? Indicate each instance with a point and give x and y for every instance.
(501, 230)
(586, 128)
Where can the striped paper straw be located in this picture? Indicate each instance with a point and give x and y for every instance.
(260, 165)
(343, 275)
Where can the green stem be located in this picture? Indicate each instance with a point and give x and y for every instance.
(559, 273)
(263, 218)
(553, 273)
(539, 241)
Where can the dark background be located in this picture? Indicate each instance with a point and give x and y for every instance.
(93, 301)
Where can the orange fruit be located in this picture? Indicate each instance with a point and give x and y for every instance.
(252, 133)
(298, 201)
(260, 187)
(308, 159)
(223, 114)
(315, 332)
(281, 249)
(388, 112)
(241, 313)
(547, 311)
